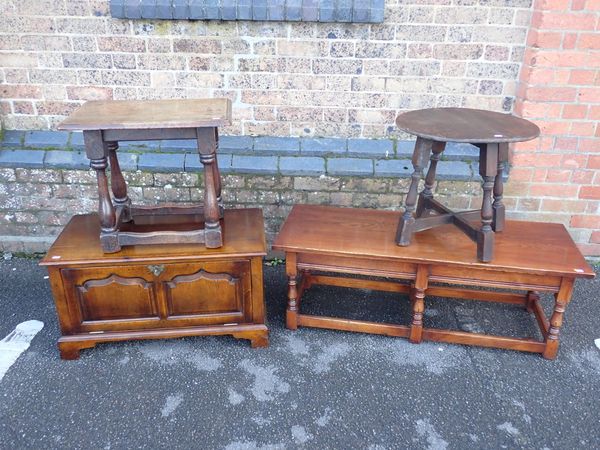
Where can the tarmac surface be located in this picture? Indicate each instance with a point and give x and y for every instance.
(310, 388)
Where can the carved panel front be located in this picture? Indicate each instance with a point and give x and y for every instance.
(116, 297)
(204, 293)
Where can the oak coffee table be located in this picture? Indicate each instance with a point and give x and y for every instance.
(322, 244)
(106, 123)
(491, 132)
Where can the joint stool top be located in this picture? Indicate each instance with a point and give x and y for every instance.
(149, 114)
(475, 126)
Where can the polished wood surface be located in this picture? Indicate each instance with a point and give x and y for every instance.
(323, 245)
(159, 291)
(475, 126)
(529, 247)
(149, 114)
(79, 242)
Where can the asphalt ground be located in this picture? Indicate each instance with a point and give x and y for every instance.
(310, 388)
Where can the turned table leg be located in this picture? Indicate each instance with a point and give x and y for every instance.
(207, 147)
(291, 313)
(427, 192)
(562, 298)
(217, 173)
(488, 169)
(418, 304)
(97, 152)
(498, 206)
(117, 183)
(407, 221)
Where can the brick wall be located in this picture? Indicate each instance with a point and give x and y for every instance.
(285, 79)
(557, 176)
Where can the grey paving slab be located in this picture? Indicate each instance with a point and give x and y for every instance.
(128, 161)
(301, 165)
(46, 139)
(22, 158)
(66, 159)
(76, 140)
(349, 166)
(393, 168)
(179, 145)
(310, 388)
(453, 170)
(461, 151)
(276, 144)
(254, 164)
(371, 147)
(235, 144)
(139, 145)
(404, 149)
(193, 164)
(12, 138)
(323, 146)
(159, 162)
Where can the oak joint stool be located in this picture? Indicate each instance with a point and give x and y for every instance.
(106, 123)
(491, 132)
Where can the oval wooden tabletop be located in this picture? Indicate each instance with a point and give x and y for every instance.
(476, 126)
(149, 114)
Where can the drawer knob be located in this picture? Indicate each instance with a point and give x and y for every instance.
(156, 269)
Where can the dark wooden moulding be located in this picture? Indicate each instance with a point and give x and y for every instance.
(491, 132)
(158, 291)
(322, 244)
(106, 123)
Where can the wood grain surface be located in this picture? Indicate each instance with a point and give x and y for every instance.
(149, 114)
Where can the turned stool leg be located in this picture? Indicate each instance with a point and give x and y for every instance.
(291, 313)
(418, 304)
(407, 221)
(217, 176)
(427, 193)
(488, 168)
(117, 183)
(207, 147)
(562, 299)
(499, 211)
(97, 152)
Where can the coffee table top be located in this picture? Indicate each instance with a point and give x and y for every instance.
(476, 126)
(149, 114)
(526, 247)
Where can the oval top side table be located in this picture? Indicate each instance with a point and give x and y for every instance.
(106, 123)
(491, 132)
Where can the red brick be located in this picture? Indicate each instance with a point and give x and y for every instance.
(594, 113)
(589, 145)
(583, 128)
(595, 238)
(553, 190)
(555, 128)
(521, 174)
(574, 111)
(569, 41)
(589, 249)
(563, 206)
(539, 175)
(589, 41)
(578, 5)
(551, 94)
(558, 176)
(564, 143)
(561, 21)
(593, 162)
(574, 161)
(582, 176)
(582, 77)
(559, 5)
(590, 192)
(537, 160)
(589, 95)
(546, 39)
(592, 222)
